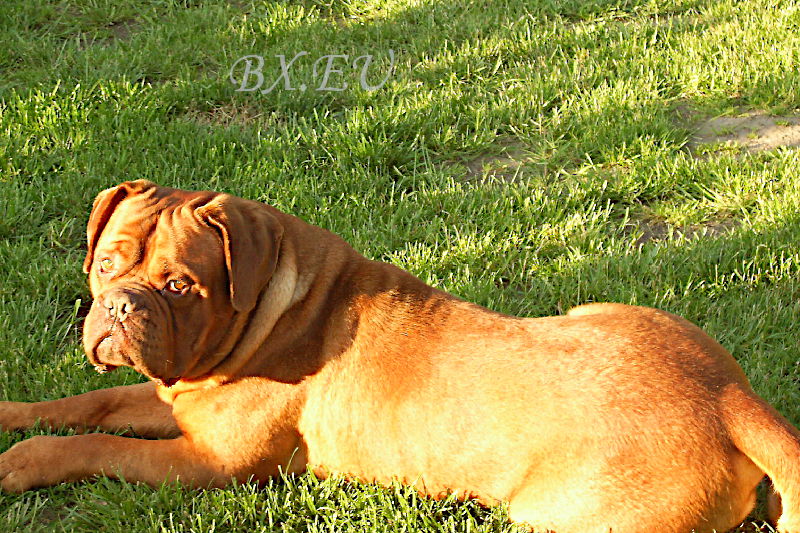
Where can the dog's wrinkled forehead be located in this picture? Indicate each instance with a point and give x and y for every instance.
(159, 227)
(128, 228)
(161, 232)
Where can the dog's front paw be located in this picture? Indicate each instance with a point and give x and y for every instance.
(34, 462)
(15, 416)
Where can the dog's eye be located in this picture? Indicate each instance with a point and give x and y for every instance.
(178, 286)
(106, 265)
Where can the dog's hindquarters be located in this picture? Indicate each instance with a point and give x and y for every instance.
(773, 444)
(758, 441)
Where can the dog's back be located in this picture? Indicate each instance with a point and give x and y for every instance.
(610, 418)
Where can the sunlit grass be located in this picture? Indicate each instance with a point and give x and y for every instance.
(609, 204)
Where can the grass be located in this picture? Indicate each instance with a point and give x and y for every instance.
(594, 93)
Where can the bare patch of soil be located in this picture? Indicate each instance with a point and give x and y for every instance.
(505, 165)
(49, 516)
(227, 115)
(753, 132)
(122, 29)
(658, 230)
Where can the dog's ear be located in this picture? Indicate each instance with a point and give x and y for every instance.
(251, 238)
(103, 207)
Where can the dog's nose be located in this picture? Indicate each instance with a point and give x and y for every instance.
(120, 303)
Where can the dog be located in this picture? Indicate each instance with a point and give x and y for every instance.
(272, 346)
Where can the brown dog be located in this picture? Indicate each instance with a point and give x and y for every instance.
(271, 344)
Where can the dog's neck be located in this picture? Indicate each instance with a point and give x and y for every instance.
(323, 325)
(304, 315)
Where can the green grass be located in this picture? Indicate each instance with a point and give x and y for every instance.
(595, 93)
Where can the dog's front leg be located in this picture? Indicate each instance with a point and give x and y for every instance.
(46, 460)
(135, 408)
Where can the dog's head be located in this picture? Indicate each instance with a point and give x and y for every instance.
(170, 271)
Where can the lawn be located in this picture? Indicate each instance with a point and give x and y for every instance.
(526, 155)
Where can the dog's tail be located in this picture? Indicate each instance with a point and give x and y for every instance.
(773, 444)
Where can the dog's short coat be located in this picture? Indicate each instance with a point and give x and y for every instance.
(270, 344)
